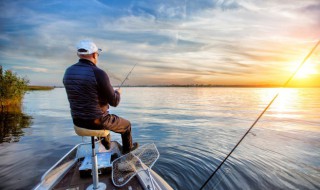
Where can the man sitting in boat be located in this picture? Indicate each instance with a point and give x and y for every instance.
(90, 93)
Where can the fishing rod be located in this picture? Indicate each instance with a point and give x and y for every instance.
(261, 114)
(127, 75)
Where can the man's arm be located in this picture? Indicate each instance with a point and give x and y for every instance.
(106, 92)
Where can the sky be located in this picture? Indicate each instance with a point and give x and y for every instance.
(183, 42)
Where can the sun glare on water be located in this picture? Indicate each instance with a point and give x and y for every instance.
(284, 103)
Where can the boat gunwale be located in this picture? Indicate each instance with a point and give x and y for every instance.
(43, 185)
(46, 175)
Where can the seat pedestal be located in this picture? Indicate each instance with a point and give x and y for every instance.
(101, 186)
(96, 185)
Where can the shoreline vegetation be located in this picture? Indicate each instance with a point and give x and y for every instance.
(12, 120)
(12, 91)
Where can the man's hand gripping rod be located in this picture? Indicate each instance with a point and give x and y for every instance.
(127, 75)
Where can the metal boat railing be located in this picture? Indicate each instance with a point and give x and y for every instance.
(60, 168)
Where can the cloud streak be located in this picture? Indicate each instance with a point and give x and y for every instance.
(34, 69)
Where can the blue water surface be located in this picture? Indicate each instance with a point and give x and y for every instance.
(194, 129)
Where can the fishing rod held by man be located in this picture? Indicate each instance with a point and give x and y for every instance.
(127, 75)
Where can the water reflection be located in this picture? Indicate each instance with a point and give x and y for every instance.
(12, 124)
(194, 129)
(286, 100)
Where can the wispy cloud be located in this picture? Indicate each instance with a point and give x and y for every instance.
(34, 69)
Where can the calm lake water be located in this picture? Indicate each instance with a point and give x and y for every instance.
(194, 129)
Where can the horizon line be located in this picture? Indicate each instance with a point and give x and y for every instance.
(205, 85)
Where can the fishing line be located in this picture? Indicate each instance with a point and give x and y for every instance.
(110, 73)
(262, 113)
(127, 75)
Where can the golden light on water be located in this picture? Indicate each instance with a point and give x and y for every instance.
(282, 107)
(293, 110)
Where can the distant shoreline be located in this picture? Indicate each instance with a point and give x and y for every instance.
(31, 87)
(221, 86)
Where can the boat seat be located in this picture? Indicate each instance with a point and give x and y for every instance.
(92, 133)
(96, 185)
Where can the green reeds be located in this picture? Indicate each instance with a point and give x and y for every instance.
(12, 120)
(12, 89)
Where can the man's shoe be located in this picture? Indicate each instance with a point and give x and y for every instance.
(134, 146)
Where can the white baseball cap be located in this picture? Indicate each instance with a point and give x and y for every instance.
(87, 45)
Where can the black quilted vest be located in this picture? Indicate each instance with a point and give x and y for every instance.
(82, 90)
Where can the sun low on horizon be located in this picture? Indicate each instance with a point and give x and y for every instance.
(309, 73)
